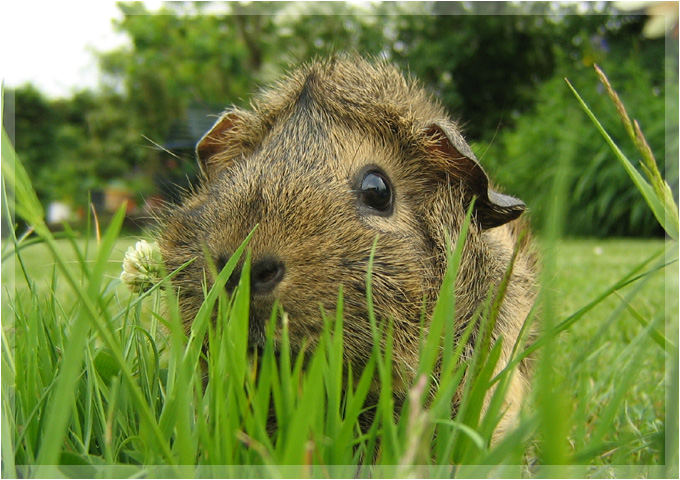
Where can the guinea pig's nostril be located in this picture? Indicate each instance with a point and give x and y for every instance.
(265, 275)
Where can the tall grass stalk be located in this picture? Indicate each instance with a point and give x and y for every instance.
(655, 190)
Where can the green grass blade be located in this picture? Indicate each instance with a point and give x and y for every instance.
(237, 328)
(671, 445)
(441, 320)
(333, 379)
(631, 277)
(382, 352)
(265, 380)
(624, 378)
(200, 323)
(511, 445)
(476, 439)
(27, 204)
(309, 406)
(355, 404)
(58, 410)
(8, 453)
(659, 338)
(284, 385)
(176, 411)
(659, 209)
(8, 433)
(661, 188)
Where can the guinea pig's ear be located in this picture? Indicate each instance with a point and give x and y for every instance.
(217, 140)
(492, 209)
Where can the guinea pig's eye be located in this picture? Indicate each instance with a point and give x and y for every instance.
(375, 192)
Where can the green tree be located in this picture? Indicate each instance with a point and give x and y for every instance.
(181, 57)
(485, 62)
(73, 146)
(35, 127)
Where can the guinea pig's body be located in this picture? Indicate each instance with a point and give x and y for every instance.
(338, 152)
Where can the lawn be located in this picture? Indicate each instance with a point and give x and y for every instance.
(590, 356)
(585, 267)
(40, 264)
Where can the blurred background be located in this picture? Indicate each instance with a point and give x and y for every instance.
(128, 132)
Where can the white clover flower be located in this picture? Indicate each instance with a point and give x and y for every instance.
(141, 266)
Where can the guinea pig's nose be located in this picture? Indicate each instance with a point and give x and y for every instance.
(265, 275)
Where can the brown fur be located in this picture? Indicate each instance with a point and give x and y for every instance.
(289, 164)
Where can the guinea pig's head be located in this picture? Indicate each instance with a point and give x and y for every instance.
(337, 153)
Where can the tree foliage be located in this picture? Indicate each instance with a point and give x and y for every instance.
(73, 146)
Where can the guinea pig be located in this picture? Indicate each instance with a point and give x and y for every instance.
(337, 152)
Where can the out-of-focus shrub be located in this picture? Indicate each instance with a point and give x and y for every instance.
(602, 200)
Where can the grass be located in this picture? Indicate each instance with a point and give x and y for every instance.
(41, 265)
(598, 344)
(602, 338)
(584, 266)
(98, 382)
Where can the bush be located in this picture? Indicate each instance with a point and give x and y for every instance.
(603, 201)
